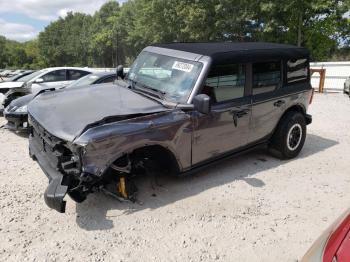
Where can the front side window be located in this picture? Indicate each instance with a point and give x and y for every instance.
(76, 74)
(225, 82)
(297, 70)
(266, 77)
(172, 77)
(55, 76)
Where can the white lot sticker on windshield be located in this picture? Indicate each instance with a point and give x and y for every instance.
(182, 66)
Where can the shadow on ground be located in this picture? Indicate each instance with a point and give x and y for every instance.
(24, 133)
(91, 214)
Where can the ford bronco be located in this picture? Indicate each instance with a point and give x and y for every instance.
(180, 107)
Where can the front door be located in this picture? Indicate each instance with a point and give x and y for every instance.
(55, 79)
(226, 127)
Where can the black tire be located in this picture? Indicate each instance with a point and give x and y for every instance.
(289, 136)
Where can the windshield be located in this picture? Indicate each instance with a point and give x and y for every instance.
(172, 77)
(14, 78)
(31, 76)
(84, 81)
(17, 77)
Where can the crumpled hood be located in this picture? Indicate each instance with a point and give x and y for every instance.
(11, 84)
(66, 113)
(21, 101)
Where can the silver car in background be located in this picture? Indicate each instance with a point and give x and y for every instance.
(48, 78)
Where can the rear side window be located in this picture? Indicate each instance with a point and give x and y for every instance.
(76, 74)
(266, 77)
(225, 82)
(55, 76)
(297, 70)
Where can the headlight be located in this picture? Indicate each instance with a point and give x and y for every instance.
(22, 109)
(10, 108)
(27, 85)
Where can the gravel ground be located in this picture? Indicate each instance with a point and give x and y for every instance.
(251, 208)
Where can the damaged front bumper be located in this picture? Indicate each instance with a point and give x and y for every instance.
(16, 121)
(55, 192)
(2, 98)
(63, 165)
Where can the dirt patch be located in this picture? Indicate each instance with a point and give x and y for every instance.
(250, 208)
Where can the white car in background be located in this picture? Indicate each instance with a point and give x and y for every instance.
(48, 78)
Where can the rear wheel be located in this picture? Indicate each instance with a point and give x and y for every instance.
(289, 137)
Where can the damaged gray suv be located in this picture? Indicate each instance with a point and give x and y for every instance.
(181, 107)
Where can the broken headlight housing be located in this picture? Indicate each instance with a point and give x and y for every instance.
(22, 109)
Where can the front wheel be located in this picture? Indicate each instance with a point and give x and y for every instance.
(289, 137)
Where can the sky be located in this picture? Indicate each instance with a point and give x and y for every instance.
(22, 20)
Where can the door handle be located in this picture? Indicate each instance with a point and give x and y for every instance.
(279, 103)
(242, 113)
(238, 114)
(235, 120)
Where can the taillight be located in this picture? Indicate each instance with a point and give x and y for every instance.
(311, 96)
(343, 252)
(335, 241)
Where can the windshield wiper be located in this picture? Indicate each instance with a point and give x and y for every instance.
(144, 88)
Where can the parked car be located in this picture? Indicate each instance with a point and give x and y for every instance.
(6, 86)
(55, 77)
(334, 244)
(347, 86)
(181, 107)
(15, 72)
(18, 77)
(94, 79)
(5, 73)
(16, 112)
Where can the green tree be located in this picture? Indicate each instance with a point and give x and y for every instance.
(115, 34)
(3, 54)
(319, 25)
(104, 35)
(66, 41)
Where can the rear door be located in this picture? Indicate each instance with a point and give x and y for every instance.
(267, 105)
(226, 127)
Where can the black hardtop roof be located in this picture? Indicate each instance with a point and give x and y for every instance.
(239, 51)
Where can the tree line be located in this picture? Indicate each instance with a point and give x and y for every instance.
(116, 33)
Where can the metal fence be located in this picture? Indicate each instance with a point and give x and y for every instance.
(336, 74)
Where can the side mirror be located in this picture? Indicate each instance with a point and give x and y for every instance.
(120, 72)
(39, 81)
(201, 103)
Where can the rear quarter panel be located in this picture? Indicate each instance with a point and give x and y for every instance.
(265, 116)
